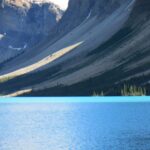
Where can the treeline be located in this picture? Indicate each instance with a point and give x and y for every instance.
(133, 91)
(127, 90)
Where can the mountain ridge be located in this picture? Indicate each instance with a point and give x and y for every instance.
(30, 25)
(100, 50)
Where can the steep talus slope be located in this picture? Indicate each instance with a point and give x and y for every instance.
(89, 21)
(105, 47)
(78, 11)
(24, 24)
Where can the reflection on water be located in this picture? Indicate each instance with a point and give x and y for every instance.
(75, 126)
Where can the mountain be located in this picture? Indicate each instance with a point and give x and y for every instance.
(98, 45)
(24, 24)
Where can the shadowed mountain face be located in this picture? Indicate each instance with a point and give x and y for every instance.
(79, 11)
(98, 45)
(25, 24)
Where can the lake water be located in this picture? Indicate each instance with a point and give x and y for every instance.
(87, 126)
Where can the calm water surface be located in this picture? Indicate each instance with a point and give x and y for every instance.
(75, 126)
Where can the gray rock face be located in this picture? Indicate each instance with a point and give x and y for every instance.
(25, 24)
(80, 10)
(94, 39)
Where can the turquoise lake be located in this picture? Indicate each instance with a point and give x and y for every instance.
(75, 126)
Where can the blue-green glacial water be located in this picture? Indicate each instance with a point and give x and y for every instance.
(74, 126)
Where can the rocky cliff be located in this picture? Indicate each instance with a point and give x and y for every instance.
(25, 24)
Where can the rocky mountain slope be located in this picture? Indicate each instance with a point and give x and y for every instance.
(97, 45)
(24, 24)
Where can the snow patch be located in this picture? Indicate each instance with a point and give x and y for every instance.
(2, 36)
(89, 15)
(18, 48)
(130, 6)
